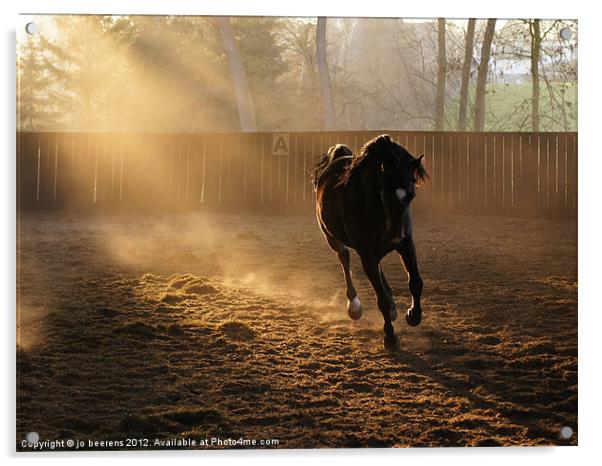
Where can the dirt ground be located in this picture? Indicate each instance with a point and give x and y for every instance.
(235, 327)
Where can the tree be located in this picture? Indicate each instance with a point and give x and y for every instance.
(41, 103)
(325, 86)
(441, 76)
(92, 68)
(483, 71)
(466, 69)
(394, 66)
(299, 40)
(551, 83)
(534, 30)
(262, 47)
(244, 100)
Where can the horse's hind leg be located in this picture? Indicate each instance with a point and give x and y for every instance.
(383, 298)
(407, 250)
(354, 307)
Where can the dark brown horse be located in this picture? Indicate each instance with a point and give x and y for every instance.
(363, 202)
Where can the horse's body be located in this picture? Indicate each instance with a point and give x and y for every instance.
(362, 202)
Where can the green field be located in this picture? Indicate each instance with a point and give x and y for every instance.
(509, 108)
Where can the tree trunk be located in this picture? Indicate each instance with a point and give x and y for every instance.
(244, 100)
(441, 75)
(324, 75)
(535, 52)
(466, 67)
(479, 113)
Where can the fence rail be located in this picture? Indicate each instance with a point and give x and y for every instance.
(492, 173)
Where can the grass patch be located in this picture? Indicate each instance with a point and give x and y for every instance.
(509, 108)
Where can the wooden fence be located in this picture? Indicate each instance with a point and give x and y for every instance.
(485, 173)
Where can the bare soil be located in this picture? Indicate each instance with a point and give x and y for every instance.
(235, 326)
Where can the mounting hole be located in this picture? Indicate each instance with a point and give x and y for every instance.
(32, 28)
(566, 433)
(566, 33)
(32, 437)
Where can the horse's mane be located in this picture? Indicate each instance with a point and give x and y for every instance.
(365, 155)
(421, 175)
(371, 153)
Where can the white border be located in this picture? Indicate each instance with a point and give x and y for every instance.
(382, 8)
(590, 170)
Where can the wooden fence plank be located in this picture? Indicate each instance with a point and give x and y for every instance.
(572, 171)
(551, 175)
(474, 195)
(26, 170)
(454, 169)
(562, 171)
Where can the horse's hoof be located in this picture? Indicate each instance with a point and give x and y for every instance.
(393, 313)
(354, 308)
(391, 342)
(413, 317)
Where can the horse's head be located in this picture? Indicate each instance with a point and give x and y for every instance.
(401, 171)
(395, 170)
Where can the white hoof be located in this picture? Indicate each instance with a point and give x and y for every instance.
(354, 308)
(393, 313)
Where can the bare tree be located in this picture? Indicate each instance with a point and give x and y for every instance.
(325, 85)
(479, 116)
(404, 86)
(466, 68)
(244, 100)
(441, 75)
(534, 30)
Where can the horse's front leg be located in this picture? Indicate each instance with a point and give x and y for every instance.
(383, 298)
(407, 250)
(393, 311)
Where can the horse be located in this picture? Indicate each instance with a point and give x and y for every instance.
(363, 203)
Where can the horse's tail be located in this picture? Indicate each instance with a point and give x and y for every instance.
(340, 150)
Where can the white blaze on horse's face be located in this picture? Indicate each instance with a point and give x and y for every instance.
(401, 194)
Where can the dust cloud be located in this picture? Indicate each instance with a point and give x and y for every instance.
(240, 251)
